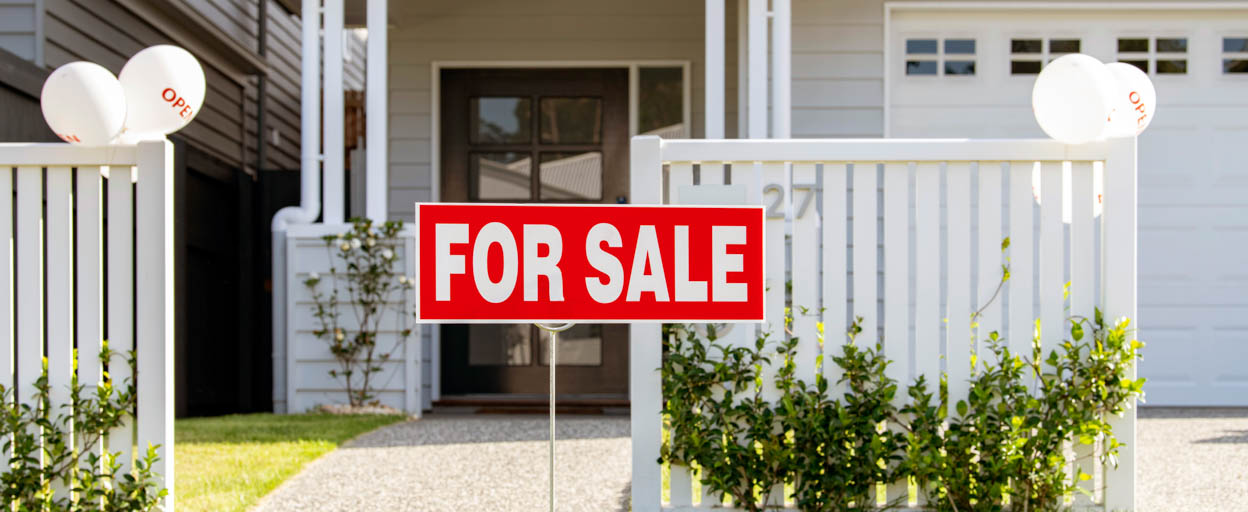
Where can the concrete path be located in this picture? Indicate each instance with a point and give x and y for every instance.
(481, 462)
(1189, 459)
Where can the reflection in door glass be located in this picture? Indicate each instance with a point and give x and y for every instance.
(661, 102)
(571, 120)
(502, 175)
(571, 175)
(499, 345)
(580, 345)
(500, 120)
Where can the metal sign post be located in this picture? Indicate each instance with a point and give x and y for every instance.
(552, 349)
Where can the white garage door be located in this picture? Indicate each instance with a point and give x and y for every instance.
(969, 74)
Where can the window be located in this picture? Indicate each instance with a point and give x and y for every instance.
(1155, 55)
(1029, 55)
(1234, 55)
(937, 57)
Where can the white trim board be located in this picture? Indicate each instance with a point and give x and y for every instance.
(435, 136)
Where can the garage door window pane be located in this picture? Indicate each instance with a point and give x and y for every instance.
(1064, 46)
(1234, 66)
(1171, 67)
(960, 46)
(571, 176)
(1172, 45)
(502, 175)
(920, 67)
(1235, 44)
(500, 120)
(1024, 67)
(921, 46)
(1142, 64)
(1026, 45)
(1133, 45)
(959, 67)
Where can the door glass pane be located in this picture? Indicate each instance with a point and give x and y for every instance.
(579, 346)
(661, 96)
(571, 120)
(502, 175)
(499, 345)
(571, 175)
(500, 120)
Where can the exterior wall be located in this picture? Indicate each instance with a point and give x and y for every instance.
(19, 28)
(838, 71)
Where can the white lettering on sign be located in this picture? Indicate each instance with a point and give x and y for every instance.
(536, 235)
(722, 263)
(604, 262)
(686, 290)
(639, 280)
(445, 235)
(494, 291)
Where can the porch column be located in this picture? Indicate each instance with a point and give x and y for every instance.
(781, 53)
(714, 69)
(756, 49)
(333, 128)
(376, 113)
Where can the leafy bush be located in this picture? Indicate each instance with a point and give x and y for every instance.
(47, 449)
(373, 287)
(1002, 448)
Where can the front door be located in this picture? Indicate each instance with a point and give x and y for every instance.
(534, 135)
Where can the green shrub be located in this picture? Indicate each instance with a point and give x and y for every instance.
(47, 449)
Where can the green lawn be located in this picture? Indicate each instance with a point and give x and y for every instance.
(227, 463)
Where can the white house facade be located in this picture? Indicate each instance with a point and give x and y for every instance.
(483, 100)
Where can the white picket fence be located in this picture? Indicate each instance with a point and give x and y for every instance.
(904, 233)
(88, 256)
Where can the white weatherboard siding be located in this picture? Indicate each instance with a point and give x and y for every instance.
(838, 78)
(1193, 178)
(308, 358)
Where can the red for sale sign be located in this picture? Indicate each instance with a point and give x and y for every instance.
(521, 263)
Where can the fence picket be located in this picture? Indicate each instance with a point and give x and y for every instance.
(711, 173)
(990, 260)
(835, 271)
(776, 281)
(897, 293)
(29, 273)
(1022, 276)
(679, 175)
(1082, 272)
(958, 313)
(120, 293)
(87, 286)
(865, 255)
(1119, 232)
(1052, 279)
(6, 291)
(805, 250)
(59, 273)
(927, 269)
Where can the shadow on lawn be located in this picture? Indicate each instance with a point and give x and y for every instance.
(276, 428)
(471, 429)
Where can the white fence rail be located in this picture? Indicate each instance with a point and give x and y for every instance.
(88, 256)
(906, 233)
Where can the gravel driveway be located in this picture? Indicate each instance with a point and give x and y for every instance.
(1189, 459)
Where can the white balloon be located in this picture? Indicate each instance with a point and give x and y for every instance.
(1072, 98)
(1135, 101)
(1098, 190)
(83, 104)
(164, 89)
